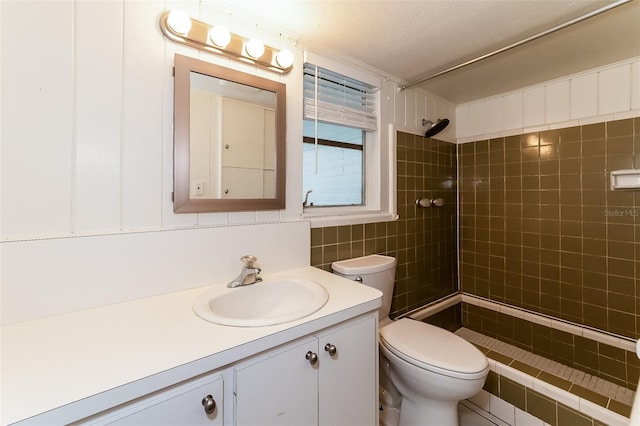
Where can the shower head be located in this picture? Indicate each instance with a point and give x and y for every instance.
(434, 128)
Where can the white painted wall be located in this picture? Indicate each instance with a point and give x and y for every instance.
(603, 94)
(86, 159)
(50, 276)
(87, 164)
(412, 105)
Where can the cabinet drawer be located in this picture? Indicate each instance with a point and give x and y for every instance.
(181, 404)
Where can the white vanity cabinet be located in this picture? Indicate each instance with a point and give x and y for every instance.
(274, 375)
(279, 387)
(348, 380)
(328, 378)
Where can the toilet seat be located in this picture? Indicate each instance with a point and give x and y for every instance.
(432, 348)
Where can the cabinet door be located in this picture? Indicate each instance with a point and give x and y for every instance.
(178, 405)
(280, 388)
(242, 183)
(243, 134)
(348, 379)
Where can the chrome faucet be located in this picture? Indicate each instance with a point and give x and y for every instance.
(249, 273)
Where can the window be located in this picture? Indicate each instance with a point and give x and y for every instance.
(340, 120)
(333, 165)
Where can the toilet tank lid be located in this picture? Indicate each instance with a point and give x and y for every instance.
(364, 265)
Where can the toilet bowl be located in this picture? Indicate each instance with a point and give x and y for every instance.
(432, 368)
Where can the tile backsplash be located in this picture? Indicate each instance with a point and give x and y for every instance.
(540, 229)
(422, 239)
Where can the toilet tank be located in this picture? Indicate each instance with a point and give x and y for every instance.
(375, 271)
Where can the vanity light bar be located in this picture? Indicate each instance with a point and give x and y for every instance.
(179, 27)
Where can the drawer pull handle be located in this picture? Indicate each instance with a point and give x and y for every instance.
(312, 357)
(331, 349)
(209, 404)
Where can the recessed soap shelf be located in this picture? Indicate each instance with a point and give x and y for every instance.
(625, 179)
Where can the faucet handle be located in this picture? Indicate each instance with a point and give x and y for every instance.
(248, 260)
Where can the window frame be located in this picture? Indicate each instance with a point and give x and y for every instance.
(379, 162)
(371, 210)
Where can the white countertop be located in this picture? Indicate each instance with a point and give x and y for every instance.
(124, 350)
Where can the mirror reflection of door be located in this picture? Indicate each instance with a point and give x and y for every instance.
(248, 154)
(233, 140)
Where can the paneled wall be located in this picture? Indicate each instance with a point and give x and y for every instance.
(87, 162)
(87, 142)
(608, 93)
(86, 157)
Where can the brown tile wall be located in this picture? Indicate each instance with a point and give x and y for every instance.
(449, 318)
(540, 228)
(538, 405)
(514, 393)
(598, 359)
(423, 240)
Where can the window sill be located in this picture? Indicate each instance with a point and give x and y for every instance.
(349, 219)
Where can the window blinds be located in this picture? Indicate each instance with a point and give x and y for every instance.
(338, 99)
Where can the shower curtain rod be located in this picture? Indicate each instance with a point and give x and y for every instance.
(519, 43)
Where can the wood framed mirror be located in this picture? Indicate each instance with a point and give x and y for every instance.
(229, 139)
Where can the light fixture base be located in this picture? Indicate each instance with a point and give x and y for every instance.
(198, 37)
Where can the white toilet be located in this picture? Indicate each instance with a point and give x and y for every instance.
(432, 368)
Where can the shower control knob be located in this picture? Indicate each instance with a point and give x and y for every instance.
(331, 349)
(209, 404)
(312, 357)
(430, 202)
(424, 202)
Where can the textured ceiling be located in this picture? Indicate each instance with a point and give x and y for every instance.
(409, 40)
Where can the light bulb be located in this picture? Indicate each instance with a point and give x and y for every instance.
(254, 48)
(220, 36)
(179, 21)
(284, 58)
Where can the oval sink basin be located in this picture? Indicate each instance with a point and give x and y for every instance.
(261, 304)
